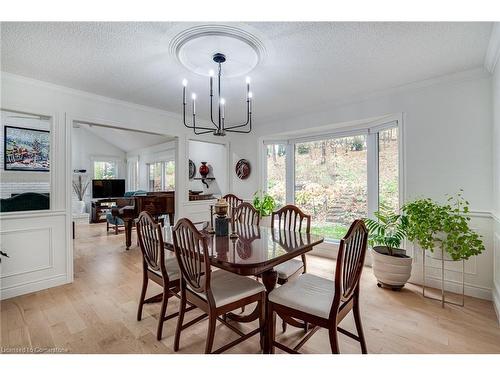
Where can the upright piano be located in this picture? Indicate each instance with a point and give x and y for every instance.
(156, 203)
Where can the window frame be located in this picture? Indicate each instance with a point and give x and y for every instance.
(163, 164)
(371, 130)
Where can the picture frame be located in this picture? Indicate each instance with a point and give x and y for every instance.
(26, 149)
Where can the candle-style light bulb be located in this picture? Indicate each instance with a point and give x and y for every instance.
(250, 96)
(193, 96)
(184, 84)
(211, 74)
(248, 85)
(223, 104)
(247, 80)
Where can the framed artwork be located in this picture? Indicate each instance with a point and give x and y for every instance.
(243, 169)
(26, 149)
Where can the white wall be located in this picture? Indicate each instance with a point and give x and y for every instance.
(496, 187)
(447, 146)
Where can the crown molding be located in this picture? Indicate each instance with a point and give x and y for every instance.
(493, 51)
(5, 76)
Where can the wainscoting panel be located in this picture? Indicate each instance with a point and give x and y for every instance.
(37, 252)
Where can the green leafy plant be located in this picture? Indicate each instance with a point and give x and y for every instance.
(388, 230)
(263, 203)
(446, 226)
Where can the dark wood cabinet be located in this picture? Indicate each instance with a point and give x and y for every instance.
(100, 208)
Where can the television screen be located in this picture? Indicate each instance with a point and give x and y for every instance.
(108, 188)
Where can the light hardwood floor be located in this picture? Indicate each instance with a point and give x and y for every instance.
(97, 313)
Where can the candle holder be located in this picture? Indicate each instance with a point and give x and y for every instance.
(210, 228)
(233, 234)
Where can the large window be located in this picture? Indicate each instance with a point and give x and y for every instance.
(161, 176)
(337, 178)
(105, 170)
(276, 172)
(388, 168)
(331, 183)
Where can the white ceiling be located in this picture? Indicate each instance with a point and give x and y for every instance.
(126, 140)
(308, 67)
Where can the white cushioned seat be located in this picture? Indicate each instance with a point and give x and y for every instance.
(288, 268)
(172, 268)
(308, 293)
(228, 287)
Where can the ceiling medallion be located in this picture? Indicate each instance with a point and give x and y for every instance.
(198, 48)
(194, 48)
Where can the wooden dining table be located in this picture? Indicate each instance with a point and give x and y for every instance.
(255, 252)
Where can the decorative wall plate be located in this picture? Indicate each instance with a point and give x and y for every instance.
(192, 169)
(243, 169)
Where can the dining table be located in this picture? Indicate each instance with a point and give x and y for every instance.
(253, 251)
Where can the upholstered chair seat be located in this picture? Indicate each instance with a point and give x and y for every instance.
(289, 268)
(172, 268)
(228, 287)
(308, 293)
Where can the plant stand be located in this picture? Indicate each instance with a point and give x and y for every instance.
(443, 297)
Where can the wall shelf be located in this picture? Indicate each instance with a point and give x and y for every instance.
(204, 180)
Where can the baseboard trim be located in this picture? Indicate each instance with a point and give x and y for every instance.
(452, 286)
(496, 301)
(33, 286)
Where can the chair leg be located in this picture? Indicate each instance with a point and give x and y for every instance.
(271, 329)
(262, 322)
(107, 226)
(210, 333)
(180, 320)
(145, 281)
(334, 340)
(283, 326)
(359, 327)
(116, 228)
(161, 319)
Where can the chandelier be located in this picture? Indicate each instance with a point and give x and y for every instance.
(219, 127)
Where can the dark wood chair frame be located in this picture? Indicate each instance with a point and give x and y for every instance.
(192, 252)
(245, 213)
(233, 201)
(291, 217)
(150, 238)
(350, 261)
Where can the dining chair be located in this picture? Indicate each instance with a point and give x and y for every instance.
(321, 302)
(157, 267)
(246, 214)
(215, 293)
(291, 218)
(233, 201)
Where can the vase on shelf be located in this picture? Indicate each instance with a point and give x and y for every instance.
(204, 169)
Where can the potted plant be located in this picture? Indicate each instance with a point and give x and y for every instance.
(391, 265)
(80, 185)
(443, 226)
(265, 205)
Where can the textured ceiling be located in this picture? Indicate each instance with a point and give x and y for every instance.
(308, 66)
(124, 139)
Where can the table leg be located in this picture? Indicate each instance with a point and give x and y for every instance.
(128, 233)
(269, 279)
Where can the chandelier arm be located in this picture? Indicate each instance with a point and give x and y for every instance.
(211, 112)
(249, 116)
(241, 131)
(194, 127)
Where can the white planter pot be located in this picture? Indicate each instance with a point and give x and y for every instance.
(391, 271)
(80, 207)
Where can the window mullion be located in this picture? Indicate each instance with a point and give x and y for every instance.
(290, 172)
(373, 175)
